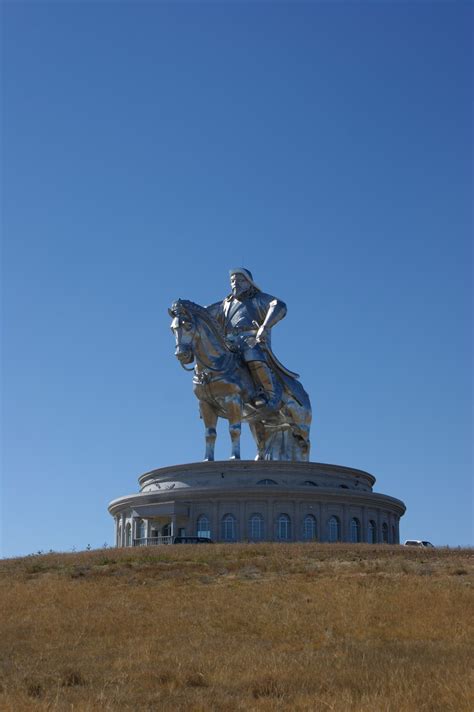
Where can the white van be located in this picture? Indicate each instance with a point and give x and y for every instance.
(418, 542)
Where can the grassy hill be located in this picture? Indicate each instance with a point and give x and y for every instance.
(238, 627)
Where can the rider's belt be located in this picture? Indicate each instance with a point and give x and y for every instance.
(238, 330)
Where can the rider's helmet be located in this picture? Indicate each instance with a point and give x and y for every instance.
(247, 274)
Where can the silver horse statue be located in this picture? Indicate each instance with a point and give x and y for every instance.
(224, 387)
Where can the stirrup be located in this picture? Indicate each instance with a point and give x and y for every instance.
(263, 399)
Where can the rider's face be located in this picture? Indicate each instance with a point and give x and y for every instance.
(238, 283)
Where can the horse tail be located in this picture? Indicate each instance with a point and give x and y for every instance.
(286, 443)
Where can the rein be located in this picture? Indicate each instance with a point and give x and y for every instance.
(208, 367)
(205, 366)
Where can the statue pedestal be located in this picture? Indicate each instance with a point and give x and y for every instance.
(244, 500)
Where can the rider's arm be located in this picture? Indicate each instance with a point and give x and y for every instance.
(276, 310)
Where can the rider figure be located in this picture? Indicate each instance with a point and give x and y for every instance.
(247, 316)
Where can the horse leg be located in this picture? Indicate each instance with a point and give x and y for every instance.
(209, 417)
(234, 414)
(300, 420)
(301, 435)
(258, 432)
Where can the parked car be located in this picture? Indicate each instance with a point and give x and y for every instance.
(418, 542)
(192, 540)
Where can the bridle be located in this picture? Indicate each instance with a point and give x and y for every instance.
(206, 367)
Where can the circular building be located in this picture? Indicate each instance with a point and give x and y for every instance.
(244, 500)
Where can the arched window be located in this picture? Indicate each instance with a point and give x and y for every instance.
(266, 482)
(203, 527)
(256, 527)
(334, 529)
(385, 533)
(228, 527)
(355, 530)
(309, 483)
(128, 535)
(309, 528)
(141, 530)
(284, 527)
(372, 532)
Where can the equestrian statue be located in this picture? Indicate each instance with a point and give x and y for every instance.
(236, 374)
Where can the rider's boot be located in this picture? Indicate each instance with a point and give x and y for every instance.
(263, 379)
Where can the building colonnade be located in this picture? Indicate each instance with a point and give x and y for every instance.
(364, 527)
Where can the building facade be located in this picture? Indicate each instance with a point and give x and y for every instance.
(239, 501)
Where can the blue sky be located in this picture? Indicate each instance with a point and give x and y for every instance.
(149, 147)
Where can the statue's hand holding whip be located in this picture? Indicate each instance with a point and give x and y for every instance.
(261, 335)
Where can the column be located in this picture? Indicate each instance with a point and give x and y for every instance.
(122, 543)
(392, 527)
(295, 521)
(215, 514)
(267, 521)
(379, 527)
(272, 519)
(344, 524)
(173, 528)
(242, 523)
(320, 524)
(365, 525)
(191, 526)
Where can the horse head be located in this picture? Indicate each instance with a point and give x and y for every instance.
(198, 336)
(183, 328)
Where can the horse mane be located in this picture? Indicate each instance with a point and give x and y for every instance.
(203, 314)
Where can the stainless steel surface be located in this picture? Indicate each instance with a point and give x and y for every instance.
(236, 374)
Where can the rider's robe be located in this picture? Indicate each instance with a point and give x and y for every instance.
(240, 319)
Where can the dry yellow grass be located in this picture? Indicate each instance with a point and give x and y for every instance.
(238, 627)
